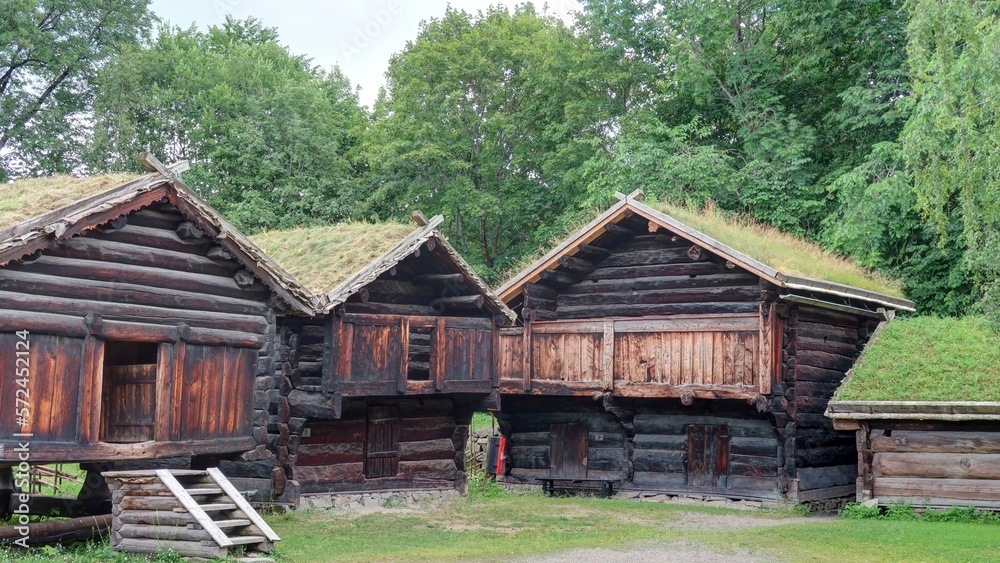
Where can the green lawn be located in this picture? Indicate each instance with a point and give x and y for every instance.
(507, 526)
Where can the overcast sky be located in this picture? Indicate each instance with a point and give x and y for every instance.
(360, 36)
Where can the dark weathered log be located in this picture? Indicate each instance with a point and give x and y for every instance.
(615, 231)
(136, 313)
(58, 452)
(576, 265)
(728, 279)
(538, 290)
(696, 253)
(848, 349)
(684, 267)
(311, 405)
(48, 323)
(730, 265)
(587, 311)
(393, 309)
(828, 317)
(440, 279)
(819, 375)
(331, 454)
(652, 297)
(557, 278)
(823, 360)
(943, 441)
(426, 450)
(592, 253)
(157, 219)
(647, 257)
(219, 254)
(936, 465)
(188, 231)
(830, 455)
(823, 477)
(460, 302)
(113, 292)
(244, 279)
(114, 224)
(154, 277)
(820, 331)
(55, 531)
(90, 248)
(533, 302)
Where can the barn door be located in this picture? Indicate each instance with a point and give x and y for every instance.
(382, 442)
(129, 396)
(708, 455)
(568, 451)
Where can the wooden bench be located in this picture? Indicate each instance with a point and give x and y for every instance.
(604, 486)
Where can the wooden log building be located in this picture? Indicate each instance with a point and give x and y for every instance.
(136, 324)
(379, 386)
(927, 427)
(656, 357)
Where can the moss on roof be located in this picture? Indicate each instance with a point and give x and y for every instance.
(322, 258)
(929, 359)
(786, 253)
(31, 197)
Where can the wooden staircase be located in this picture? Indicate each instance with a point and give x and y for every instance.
(195, 513)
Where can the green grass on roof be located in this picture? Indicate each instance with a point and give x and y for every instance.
(322, 258)
(929, 359)
(31, 197)
(786, 253)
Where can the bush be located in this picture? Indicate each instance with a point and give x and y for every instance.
(858, 511)
(905, 511)
(476, 490)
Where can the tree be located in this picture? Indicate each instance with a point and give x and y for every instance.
(488, 120)
(49, 53)
(952, 139)
(266, 134)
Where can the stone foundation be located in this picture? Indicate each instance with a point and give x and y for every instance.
(369, 500)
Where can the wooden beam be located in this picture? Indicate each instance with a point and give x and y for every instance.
(461, 302)
(592, 253)
(440, 279)
(557, 278)
(608, 355)
(439, 360)
(576, 265)
(618, 232)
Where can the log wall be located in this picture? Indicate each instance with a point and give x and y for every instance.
(151, 276)
(650, 445)
(819, 346)
(431, 438)
(933, 464)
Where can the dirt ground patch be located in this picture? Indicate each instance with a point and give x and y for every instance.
(652, 552)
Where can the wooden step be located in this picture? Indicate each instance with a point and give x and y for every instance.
(234, 523)
(204, 491)
(240, 540)
(218, 507)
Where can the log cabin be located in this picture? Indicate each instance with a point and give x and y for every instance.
(379, 386)
(924, 402)
(653, 356)
(136, 325)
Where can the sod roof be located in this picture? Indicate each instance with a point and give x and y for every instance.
(323, 258)
(928, 359)
(784, 252)
(30, 197)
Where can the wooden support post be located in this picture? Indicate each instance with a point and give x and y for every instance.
(331, 353)
(495, 363)
(346, 346)
(439, 362)
(404, 346)
(528, 364)
(608, 356)
(865, 477)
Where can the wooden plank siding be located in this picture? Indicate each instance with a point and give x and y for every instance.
(140, 283)
(702, 352)
(373, 355)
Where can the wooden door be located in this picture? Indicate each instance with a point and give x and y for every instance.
(568, 451)
(382, 442)
(129, 403)
(708, 455)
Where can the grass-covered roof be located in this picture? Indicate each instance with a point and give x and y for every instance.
(929, 359)
(322, 258)
(30, 197)
(786, 253)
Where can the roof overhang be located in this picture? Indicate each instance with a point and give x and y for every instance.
(913, 410)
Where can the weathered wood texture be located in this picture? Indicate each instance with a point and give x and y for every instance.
(379, 445)
(141, 283)
(724, 448)
(375, 355)
(946, 464)
(626, 356)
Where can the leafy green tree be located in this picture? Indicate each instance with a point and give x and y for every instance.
(267, 135)
(952, 139)
(488, 120)
(49, 53)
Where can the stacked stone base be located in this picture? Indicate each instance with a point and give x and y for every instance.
(373, 500)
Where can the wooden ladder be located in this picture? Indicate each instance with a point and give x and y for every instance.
(219, 509)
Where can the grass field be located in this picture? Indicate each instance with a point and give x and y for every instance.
(510, 526)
